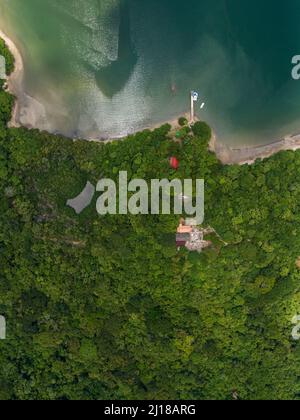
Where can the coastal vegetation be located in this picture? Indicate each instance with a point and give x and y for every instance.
(107, 308)
(6, 100)
(9, 58)
(182, 121)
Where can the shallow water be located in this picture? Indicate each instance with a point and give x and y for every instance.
(108, 67)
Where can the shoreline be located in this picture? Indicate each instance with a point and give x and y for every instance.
(15, 80)
(226, 154)
(249, 155)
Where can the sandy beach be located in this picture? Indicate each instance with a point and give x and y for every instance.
(32, 110)
(248, 155)
(27, 110)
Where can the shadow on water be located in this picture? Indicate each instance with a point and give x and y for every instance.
(113, 78)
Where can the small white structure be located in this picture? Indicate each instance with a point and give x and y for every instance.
(2, 328)
(195, 96)
(197, 242)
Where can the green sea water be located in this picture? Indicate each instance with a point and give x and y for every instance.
(109, 67)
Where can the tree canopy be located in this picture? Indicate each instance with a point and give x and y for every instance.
(107, 308)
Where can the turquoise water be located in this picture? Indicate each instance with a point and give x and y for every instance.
(107, 67)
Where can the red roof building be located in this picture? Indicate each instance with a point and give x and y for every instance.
(174, 162)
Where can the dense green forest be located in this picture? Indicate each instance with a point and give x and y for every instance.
(106, 308)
